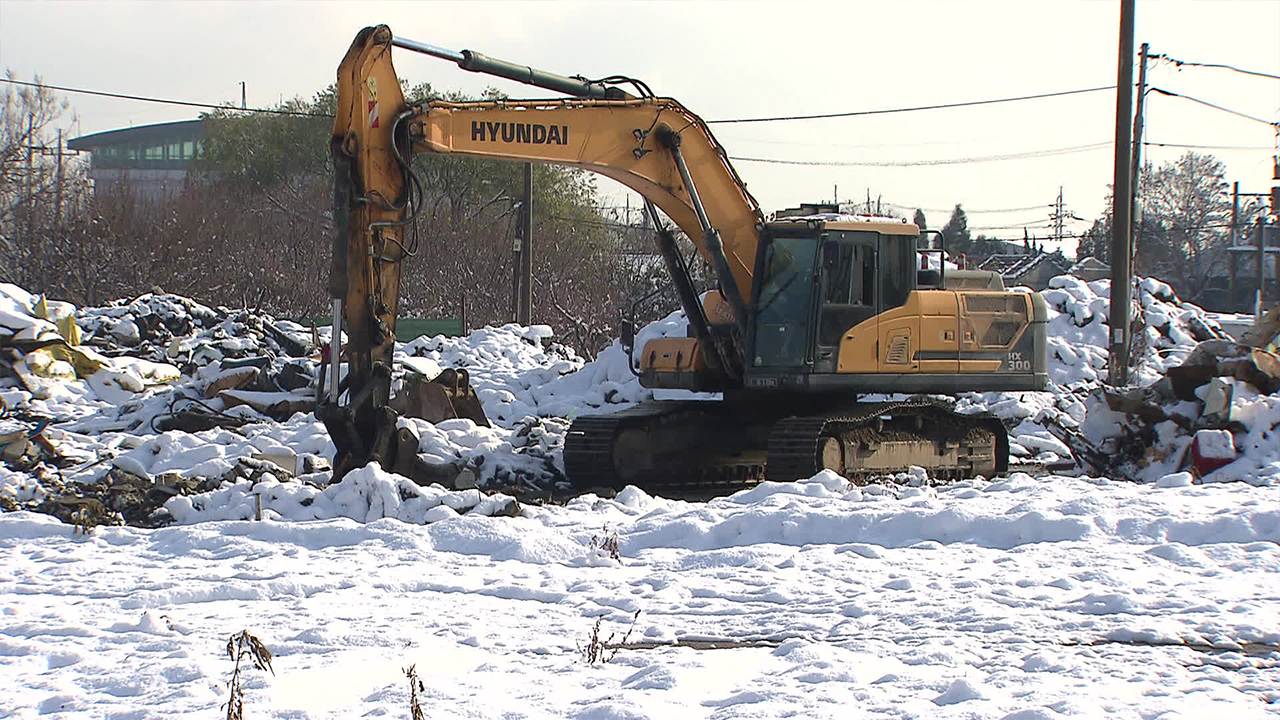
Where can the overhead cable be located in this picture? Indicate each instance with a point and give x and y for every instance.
(925, 163)
(967, 211)
(1210, 147)
(162, 101)
(1181, 63)
(1216, 107)
(941, 106)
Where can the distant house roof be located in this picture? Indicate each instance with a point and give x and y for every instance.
(162, 146)
(1001, 263)
(143, 134)
(1089, 264)
(1014, 267)
(1029, 263)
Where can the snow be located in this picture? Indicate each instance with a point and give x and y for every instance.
(1029, 597)
(1018, 597)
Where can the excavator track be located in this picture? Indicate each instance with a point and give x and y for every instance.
(688, 449)
(700, 449)
(885, 438)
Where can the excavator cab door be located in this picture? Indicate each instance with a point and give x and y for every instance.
(848, 291)
(785, 302)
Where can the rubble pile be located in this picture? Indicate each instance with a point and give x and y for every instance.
(165, 393)
(1165, 329)
(1200, 404)
(1048, 428)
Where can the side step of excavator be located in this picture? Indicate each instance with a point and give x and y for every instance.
(703, 448)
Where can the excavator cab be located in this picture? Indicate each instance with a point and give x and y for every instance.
(844, 306)
(818, 282)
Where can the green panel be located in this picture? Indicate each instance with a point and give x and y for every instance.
(408, 328)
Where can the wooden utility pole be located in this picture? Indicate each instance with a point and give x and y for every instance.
(57, 201)
(31, 178)
(526, 249)
(1135, 163)
(1235, 220)
(517, 242)
(1122, 204)
(1262, 270)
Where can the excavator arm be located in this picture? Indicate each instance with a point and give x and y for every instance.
(653, 145)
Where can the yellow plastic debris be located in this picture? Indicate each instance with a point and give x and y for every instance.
(44, 364)
(62, 315)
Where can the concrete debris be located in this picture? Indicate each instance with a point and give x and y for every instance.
(1225, 358)
(1195, 419)
(161, 363)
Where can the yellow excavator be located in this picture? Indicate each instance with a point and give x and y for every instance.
(811, 314)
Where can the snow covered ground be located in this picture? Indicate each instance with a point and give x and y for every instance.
(1033, 599)
(1022, 597)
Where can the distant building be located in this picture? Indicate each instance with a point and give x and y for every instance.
(808, 209)
(1033, 271)
(1008, 247)
(1090, 269)
(151, 159)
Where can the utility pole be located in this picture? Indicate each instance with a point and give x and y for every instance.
(1135, 164)
(516, 265)
(526, 249)
(1262, 270)
(31, 187)
(57, 202)
(1122, 204)
(244, 105)
(1059, 214)
(1235, 223)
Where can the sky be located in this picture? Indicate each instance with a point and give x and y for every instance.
(734, 60)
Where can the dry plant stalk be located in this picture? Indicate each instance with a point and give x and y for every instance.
(415, 709)
(604, 650)
(83, 521)
(607, 542)
(238, 647)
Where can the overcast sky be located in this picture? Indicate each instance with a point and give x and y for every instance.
(734, 59)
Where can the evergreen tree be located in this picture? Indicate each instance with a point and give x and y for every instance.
(956, 232)
(919, 220)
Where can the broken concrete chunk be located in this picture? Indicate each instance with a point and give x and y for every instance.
(278, 405)
(286, 460)
(1225, 358)
(1217, 402)
(232, 379)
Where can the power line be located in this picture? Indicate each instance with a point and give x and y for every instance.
(1210, 147)
(920, 163)
(161, 100)
(967, 211)
(917, 108)
(1217, 107)
(1187, 63)
(1038, 224)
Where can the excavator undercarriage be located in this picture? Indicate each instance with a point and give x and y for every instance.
(699, 448)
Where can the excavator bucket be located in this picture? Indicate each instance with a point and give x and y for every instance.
(449, 395)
